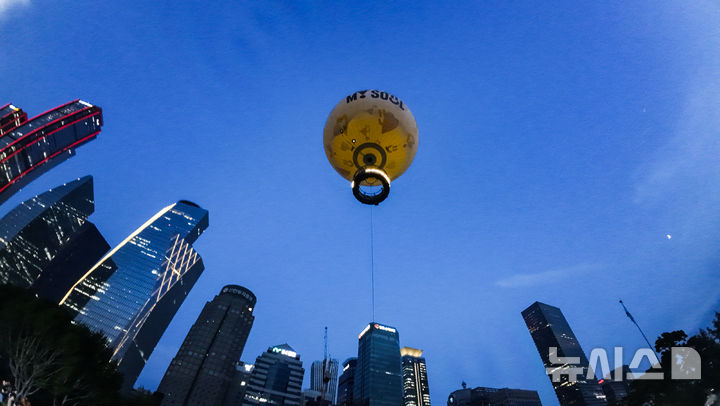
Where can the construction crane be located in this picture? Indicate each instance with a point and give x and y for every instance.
(326, 370)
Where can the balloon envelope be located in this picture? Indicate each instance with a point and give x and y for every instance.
(371, 129)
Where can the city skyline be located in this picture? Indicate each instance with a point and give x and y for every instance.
(561, 149)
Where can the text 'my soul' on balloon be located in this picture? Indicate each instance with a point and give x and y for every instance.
(371, 139)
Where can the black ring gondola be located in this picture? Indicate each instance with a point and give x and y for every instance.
(364, 174)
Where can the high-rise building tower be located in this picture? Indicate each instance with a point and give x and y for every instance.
(416, 391)
(238, 384)
(493, 397)
(133, 292)
(346, 383)
(81, 252)
(555, 341)
(276, 379)
(29, 148)
(378, 377)
(316, 378)
(46, 241)
(204, 366)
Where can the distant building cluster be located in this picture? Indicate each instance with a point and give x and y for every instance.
(131, 292)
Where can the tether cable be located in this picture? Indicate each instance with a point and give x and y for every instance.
(372, 263)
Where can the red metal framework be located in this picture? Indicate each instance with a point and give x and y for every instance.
(11, 117)
(30, 149)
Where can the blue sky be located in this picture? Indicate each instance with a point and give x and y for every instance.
(559, 146)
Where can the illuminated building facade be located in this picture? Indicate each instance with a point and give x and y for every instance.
(493, 397)
(77, 255)
(378, 376)
(549, 329)
(346, 383)
(316, 378)
(239, 383)
(133, 292)
(276, 379)
(416, 391)
(11, 117)
(45, 241)
(204, 367)
(28, 148)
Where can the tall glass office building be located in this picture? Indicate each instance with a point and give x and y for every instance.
(316, 378)
(29, 148)
(416, 391)
(346, 383)
(378, 376)
(133, 292)
(43, 232)
(549, 329)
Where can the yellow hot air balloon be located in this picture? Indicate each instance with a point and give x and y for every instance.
(371, 139)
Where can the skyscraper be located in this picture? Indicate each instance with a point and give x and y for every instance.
(238, 384)
(28, 148)
(556, 341)
(276, 379)
(416, 391)
(493, 397)
(133, 292)
(378, 377)
(316, 378)
(346, 383)
(204, 366)
(81, 252)
(45, 241)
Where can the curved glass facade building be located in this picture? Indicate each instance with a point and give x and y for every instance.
(44, 240)
(133, 292)
(28, 148)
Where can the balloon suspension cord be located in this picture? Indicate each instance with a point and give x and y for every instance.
(372, 264)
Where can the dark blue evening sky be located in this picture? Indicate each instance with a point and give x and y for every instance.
(560, 146)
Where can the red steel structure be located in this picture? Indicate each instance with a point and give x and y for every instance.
(11, 117)
(29, 148)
